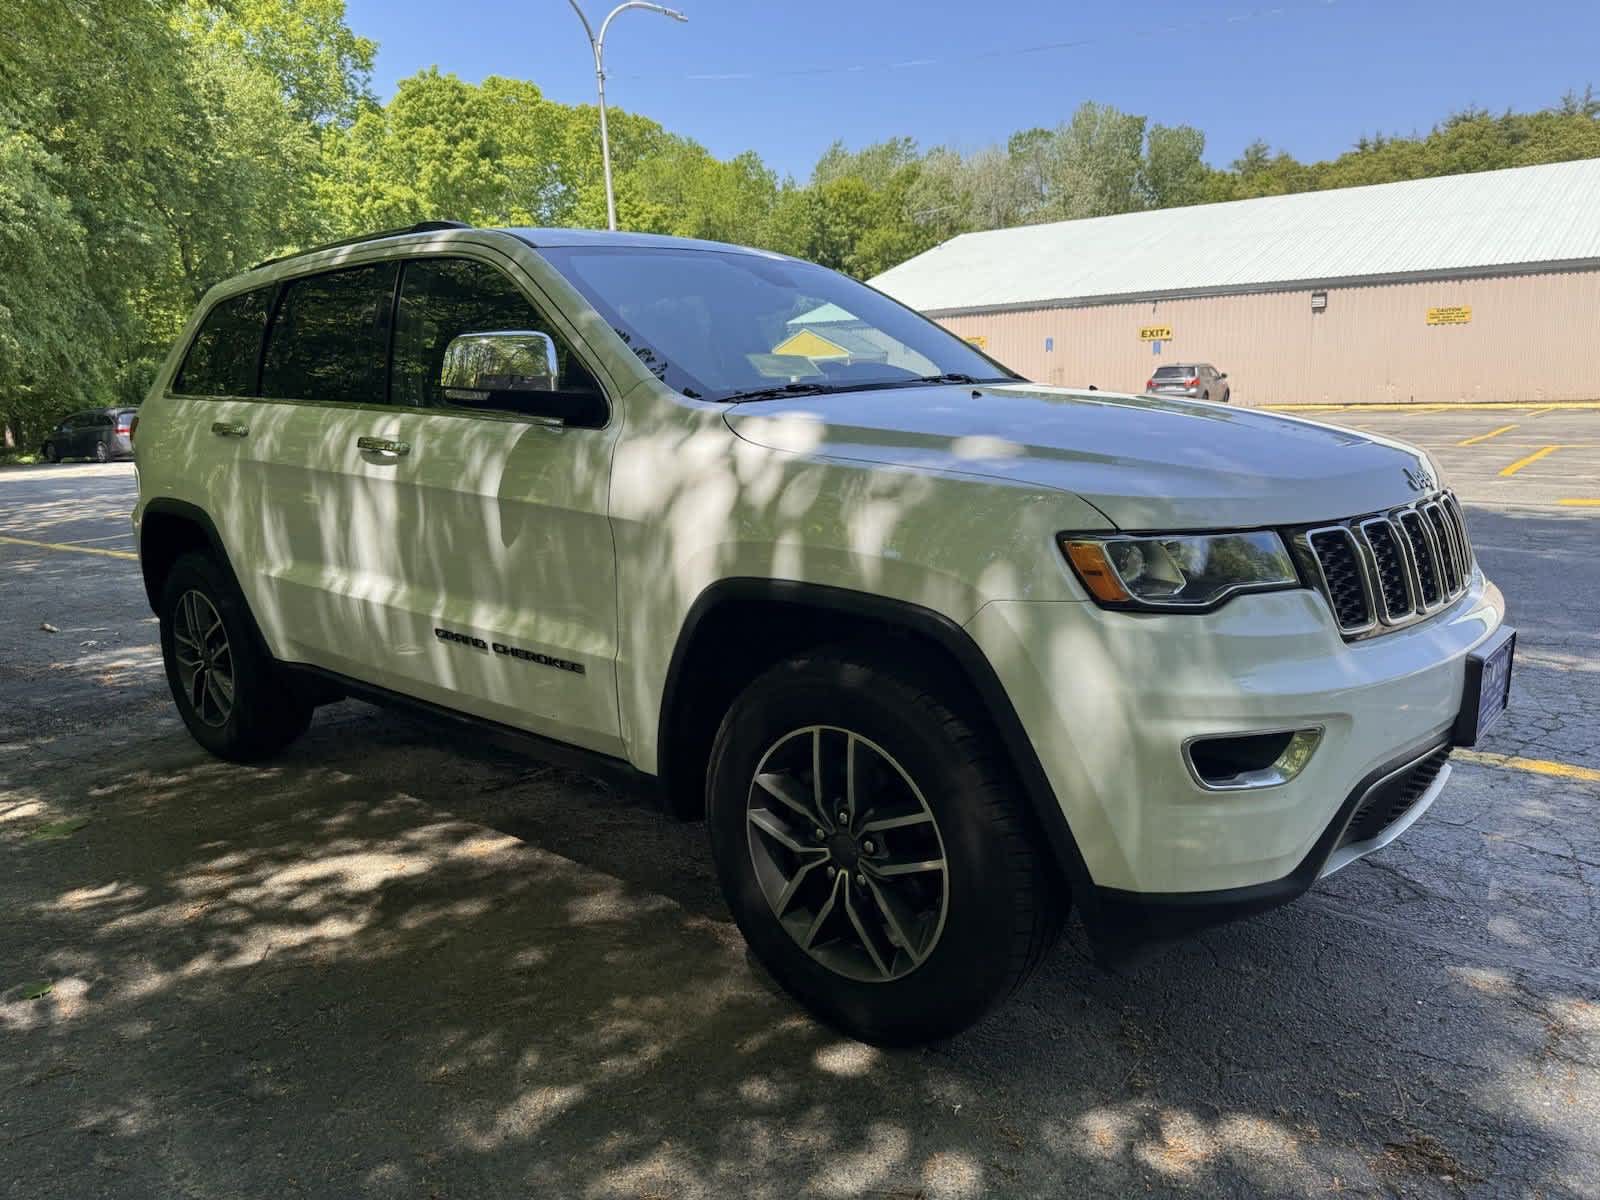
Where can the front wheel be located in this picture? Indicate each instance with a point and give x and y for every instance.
(874, 850)
(50, 455)
(229, 691)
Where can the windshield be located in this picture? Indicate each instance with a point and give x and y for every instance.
(719, 325)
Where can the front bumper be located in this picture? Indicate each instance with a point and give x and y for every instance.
(1109, 698)
(1124, 921)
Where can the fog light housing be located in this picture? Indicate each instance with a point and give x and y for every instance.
(1231, 762)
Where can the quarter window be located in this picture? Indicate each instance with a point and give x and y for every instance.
(443, 298)
(222, 358)
(330, 337)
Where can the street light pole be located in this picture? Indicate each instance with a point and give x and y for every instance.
(597, 43)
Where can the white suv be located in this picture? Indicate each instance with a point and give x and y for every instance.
(935, 650)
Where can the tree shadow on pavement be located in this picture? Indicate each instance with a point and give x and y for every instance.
(394, 965)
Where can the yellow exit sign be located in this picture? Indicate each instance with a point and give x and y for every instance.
(978, 340)
(1155, 333)
(1455, 314)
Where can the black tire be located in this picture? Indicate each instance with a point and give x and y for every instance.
(265, 713)
(50, 455)
(1227, 396)
(1004, 905)
(101, 454)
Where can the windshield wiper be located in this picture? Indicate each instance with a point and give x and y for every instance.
(787, 389)
(959, 377)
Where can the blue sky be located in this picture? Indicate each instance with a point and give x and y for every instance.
(785, 79)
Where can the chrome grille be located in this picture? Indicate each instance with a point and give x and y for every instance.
(1449, 560)
(1339, 559)
(1458, 519)
(1423, 556)
(1389, 569)
(1392, 582)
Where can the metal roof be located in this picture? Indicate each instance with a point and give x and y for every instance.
(1492, 222)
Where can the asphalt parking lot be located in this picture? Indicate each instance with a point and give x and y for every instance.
(395, 965)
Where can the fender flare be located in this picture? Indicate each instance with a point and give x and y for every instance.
(969, 660)
(194, 515)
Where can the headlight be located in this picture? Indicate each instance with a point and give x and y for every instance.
(1181, 571)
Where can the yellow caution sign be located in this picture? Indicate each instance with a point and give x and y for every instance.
(808, 344)
(1155, 333)
(1454, 314)
(978, 340)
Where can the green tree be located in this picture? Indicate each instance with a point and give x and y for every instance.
(150, 148)
(1173, 170)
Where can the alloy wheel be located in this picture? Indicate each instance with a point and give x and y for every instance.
(205, 660)
(847, 853)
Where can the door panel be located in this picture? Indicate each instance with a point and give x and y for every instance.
(481, 564)
(476, 568)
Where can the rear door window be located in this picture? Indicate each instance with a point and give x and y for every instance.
(222, 358)
(330, 337)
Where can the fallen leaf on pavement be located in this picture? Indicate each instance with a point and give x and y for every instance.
(59, 829)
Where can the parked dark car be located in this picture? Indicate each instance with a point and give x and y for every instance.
(1200, 380)
(99, 434)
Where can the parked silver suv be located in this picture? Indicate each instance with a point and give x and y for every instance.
(1201, 381)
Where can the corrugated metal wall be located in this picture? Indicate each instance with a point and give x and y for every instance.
(1532, 338)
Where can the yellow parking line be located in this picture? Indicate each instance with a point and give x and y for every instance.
(1580, 502)
(1539, 412)
(1529, 460)
(1484, 437)
(1539, 766)
(15, 541)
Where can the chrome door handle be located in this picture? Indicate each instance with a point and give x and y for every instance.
(383, 446)
(229, 429)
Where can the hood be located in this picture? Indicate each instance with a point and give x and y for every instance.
(1145, 462)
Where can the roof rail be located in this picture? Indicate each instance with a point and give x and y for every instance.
(419, 227)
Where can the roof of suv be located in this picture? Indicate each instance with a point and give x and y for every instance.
(616, 237)
(536, 237)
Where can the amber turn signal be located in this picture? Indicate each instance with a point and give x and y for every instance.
(1089, 561)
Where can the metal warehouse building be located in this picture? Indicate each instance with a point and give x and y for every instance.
(1466, 287)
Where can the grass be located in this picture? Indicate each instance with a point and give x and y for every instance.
(18, 458)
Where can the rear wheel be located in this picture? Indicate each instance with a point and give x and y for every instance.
(101, 454)
(874, 850)
(229, 691)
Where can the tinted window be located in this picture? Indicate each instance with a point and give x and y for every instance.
(1172, 372)
(330, 337)
(443, 298)
(222, 358)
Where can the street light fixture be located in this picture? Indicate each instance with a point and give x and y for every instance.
(598, 45)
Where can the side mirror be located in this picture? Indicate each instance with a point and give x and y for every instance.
(1222, 374)
(499, 370)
